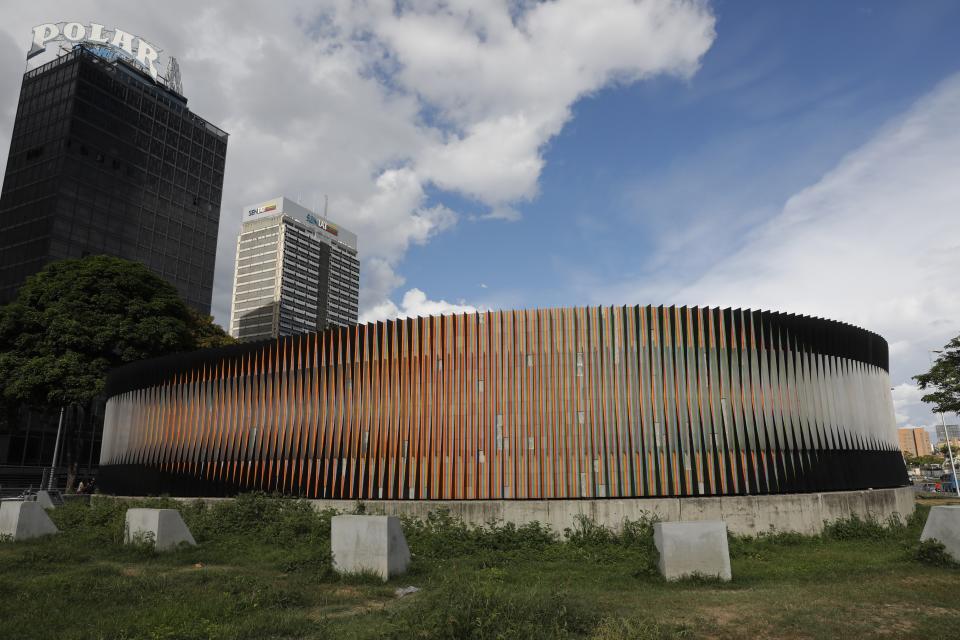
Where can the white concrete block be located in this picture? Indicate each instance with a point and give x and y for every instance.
(943, 524)
(369, 543)
(689, 548)
(44, 500)
(165, 527)
(22, 520)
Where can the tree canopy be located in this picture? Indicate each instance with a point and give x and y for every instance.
(943, 380)
(76, 319)
(921, 460)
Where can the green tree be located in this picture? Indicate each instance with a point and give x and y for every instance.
(943, 380)
(76, 319)
(917, 461)
(206, 333)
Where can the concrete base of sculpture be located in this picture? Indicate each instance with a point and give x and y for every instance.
(369, 544)
(24, 520)
(943, 525)
(692, 549)
(164, 528)
(805, 513)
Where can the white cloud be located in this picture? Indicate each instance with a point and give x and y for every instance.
(414, 304)
(506, 83)
(875, 242)
(907, 402)
(502, 212)
(371, 103)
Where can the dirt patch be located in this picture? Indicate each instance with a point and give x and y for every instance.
(739, 620)
(346, 601)
(934, 502)
(722, 615)
(893, 620)
(198, 566)
(363, 607)
(333, 612)
(131, 572)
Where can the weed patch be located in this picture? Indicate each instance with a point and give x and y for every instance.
(612, 628)
(464, 607)
(857, 528)
(262, 570)
(934, 553)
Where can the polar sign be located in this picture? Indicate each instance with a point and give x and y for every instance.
(134, 47)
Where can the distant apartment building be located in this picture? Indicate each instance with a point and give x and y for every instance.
(295, 272)
(915, 441)
(950, 430)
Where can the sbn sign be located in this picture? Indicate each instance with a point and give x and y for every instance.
(135, 47)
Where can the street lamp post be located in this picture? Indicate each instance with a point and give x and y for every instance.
(56, 452)
(953, 467)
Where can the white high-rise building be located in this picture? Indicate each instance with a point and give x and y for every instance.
(295, 272)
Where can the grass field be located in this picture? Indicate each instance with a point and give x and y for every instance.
(262, 570)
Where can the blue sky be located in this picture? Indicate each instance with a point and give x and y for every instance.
(797, 156)
(785, 91)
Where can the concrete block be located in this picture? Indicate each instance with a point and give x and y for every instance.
(45, 500)
(22, 520)
(943, 524)
(369, 543)
(692, 548)
(165, 527)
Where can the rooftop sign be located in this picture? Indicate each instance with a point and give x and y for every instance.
(297, 212)
(114, 41)
(286, 207)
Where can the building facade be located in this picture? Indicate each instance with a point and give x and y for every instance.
(295, 272)
(105, 160)
(608, 402)
(914, 441)
(949, 431)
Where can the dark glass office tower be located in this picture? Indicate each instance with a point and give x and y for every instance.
(105, 160)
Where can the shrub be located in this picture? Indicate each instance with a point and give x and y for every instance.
(764, 545)
(634, 543)
(442, 535)
(279, 520)
(586, 533)
(857, 528)
(933, 552)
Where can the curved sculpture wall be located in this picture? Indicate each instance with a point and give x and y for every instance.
(560, 403)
